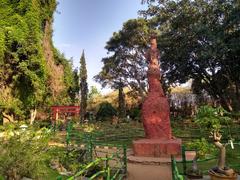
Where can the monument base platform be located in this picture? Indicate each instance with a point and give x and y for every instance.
(157, 147)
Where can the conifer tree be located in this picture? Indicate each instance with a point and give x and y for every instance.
(83, 87)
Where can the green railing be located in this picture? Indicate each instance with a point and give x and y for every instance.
(189, 133)
(113, 136)
(181, 167)
(95, 144)
(105, 172)
(175, 172)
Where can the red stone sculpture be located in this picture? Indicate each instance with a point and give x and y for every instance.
(156, 114)
(155, 109)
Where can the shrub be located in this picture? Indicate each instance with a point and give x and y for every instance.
(70, 160)
(135, 113)
(202, 147)
(211, 118)
(23, 154)
(106, 111)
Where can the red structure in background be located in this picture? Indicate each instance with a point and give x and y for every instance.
(56, 111)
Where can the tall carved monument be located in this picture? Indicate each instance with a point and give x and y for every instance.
(156, 114)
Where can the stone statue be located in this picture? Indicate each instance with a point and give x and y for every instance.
(155, 109)
(156, 114)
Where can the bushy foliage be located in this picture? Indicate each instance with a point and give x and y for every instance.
(23, 67)
(70, 79)
(126, 67)
(23, 153)
(106, 111)
(212, 118)
(202, 146)
(135, 113)
(27, 58)
(200, 47)
(71, 159)
(94, 98)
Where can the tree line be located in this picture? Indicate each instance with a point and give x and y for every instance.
(197, 39)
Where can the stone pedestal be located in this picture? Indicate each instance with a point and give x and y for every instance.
(146, 169)
(153, 168)
(157, 147)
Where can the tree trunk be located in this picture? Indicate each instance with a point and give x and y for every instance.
(142, 94)
(226, 104)
(121, 102)
(222, 150)
(222, 155)
(83, 102)
(33, 113)
(236, 98)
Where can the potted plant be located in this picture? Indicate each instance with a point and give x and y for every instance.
(212, 119)
(202, 148)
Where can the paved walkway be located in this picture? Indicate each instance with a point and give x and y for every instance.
(148, 168)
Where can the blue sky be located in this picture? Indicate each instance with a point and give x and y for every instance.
(88, 25)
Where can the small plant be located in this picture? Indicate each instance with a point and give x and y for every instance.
(66, 161)
(212, 119)
(23, 154)
(95, 170)
(203, 148)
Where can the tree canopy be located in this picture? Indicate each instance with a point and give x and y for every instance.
(126, 65)
(199, 40)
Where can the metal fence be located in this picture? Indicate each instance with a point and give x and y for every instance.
(181, 167)
(99, 149)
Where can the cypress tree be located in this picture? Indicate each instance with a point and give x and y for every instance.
(83, 87)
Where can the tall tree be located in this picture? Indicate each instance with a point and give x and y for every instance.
(126, 67)
(199, 39)
(83, 87)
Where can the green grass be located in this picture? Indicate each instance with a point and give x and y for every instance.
(52, 175)
(189, 131)
(125, 133)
